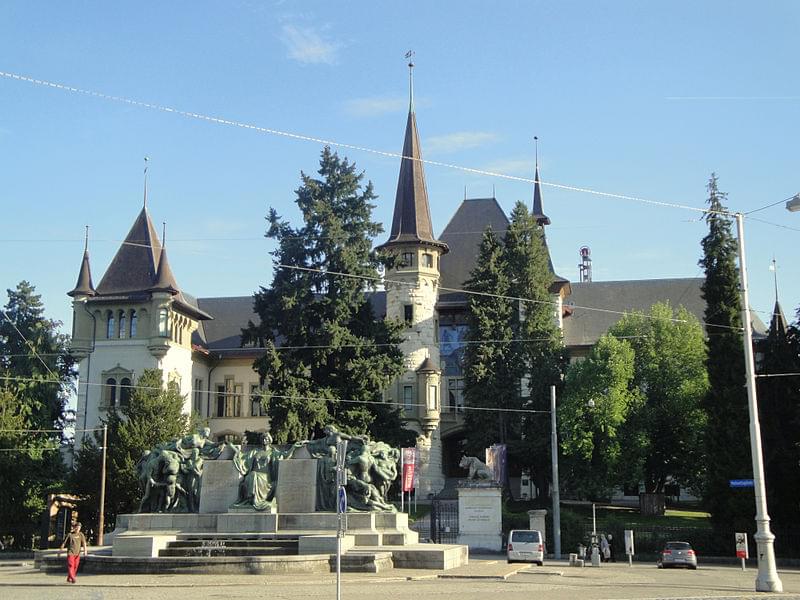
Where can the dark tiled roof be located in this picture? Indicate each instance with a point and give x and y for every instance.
(584, 327)
(134, 267)
(165, 280)
(463, 236)
(223, 335)
(84, 285)
(412, 219)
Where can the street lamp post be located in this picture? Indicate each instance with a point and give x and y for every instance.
(767, 579)
(556, 494)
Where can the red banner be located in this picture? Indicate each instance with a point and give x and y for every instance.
(409, 460)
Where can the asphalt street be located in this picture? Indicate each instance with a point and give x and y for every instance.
(484, 577)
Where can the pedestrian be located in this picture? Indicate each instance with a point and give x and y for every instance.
(74, 542)
(605, 551)
(610, 548)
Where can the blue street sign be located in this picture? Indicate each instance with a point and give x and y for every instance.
(741, 483)
(342, 504)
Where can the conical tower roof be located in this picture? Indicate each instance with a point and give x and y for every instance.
(411, 222)
(135, 264)
(84, 286)
(165, 280)
(538, 210)
(778, 325)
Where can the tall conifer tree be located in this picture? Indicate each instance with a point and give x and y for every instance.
(727, 439)
(490, 365)
(328, 359)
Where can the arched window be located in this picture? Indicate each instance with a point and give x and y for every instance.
(134, 319)
(123, 325)
(110, 324)
(111, 391)
(124, 391)
(163, 324)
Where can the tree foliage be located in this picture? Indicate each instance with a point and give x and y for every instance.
(154, 415)
(663, 434)
(779, 414)
(727, 433)
(327, 358)
(491, 369)
(35, 378)
(598, 398)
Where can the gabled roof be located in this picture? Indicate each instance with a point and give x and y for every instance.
(411, 222)
(135, 265)
(84, 286)
(463, 236)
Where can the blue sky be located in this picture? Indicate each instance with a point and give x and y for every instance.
(639, 99)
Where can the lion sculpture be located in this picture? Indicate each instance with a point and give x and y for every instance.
(477, 469)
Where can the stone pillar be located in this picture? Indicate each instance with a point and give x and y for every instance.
(431, 476)
(480, 517)
(536, 520)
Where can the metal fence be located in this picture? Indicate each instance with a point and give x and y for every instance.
(444, 521)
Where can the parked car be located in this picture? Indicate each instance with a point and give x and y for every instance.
(525, 545)
(677, 554)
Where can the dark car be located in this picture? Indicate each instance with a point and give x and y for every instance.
(677, 554)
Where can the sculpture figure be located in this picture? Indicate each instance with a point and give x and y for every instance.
(476, 468)
(257, 488)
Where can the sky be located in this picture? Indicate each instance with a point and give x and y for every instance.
(637, 99)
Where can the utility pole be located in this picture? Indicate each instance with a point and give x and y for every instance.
(556, 494)
(767, 579)
(101, 520)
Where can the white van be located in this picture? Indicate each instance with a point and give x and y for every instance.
(525, 545)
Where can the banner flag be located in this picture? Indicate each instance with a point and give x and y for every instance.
(409, 462)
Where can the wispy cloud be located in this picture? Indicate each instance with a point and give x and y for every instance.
(375, 106)
(460, 140)
(512, 166)
(307, 45)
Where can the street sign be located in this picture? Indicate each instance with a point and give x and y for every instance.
(629, 541)
(341, 504)
(742, 483)
(741, 546)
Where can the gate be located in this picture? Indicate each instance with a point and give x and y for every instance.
(444, 521)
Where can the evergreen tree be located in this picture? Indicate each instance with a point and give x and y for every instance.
(35, 378)
(778, 406)
(491, 371)
(662, 436)
(593, 463)
(539, 353)
(727, 433)
(153, 415)
(327, 358)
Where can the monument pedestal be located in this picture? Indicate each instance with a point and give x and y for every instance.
(480, 517)
(219, 486)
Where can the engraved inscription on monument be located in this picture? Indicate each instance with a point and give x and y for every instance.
(219, 486)
(298, 482)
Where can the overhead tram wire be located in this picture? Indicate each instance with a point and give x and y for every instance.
(243, 395)
(318, 140)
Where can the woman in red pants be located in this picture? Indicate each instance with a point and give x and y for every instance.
(73, 542)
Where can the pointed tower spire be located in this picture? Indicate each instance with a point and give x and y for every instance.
(411, 221)
(165, 280)
(84, 286)
(778, 325)
(145, 181)
(134, 267)
(410, 56)
(538, 210)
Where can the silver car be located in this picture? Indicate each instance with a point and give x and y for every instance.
(677, 554)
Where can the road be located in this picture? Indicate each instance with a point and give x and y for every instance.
(483, 578)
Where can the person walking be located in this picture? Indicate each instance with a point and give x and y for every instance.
(74, 542)
(605, 552)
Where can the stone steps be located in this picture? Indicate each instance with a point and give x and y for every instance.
(228, 551)
(233, 543)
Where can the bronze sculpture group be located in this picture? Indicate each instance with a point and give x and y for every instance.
(170, 474)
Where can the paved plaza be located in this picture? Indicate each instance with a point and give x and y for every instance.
(484, 577)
